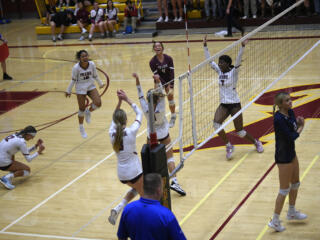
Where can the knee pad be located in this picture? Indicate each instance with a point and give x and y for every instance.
(170, 160)
(284, 192)
(216, 125)
(94, 107)
(171, 103)
(26, 173)
(242, 133)
(81, 113)
(295, 186)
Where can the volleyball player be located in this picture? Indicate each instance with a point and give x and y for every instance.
(162, 64)
(287, 129)
(161, 124)
(84, 73)
(229, 99)
(123, 140)
(12, 144)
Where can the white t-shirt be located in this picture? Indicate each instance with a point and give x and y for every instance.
(129, 165)
(9, 146)
(161, 124)
(97, 15)
(228, 80)
(84, 78)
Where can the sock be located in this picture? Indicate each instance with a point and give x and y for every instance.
(90, 35)
(84, 30)
(174, 179)
(81, 126)
(9, 176)
(228, 144)
(291, 209)
(26, 173)
(60, 35)
(275, 217)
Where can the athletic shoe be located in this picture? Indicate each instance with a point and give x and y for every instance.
(160, 19)
(296, 215)
(172, 121)
(87, 115)
(254, 16)
(180, 19)
(177, 188)
(229, 149)
(167, 19)
(276, 225)
(244, 17)
(175, 19)
(113, 216)
(228, 35)
(259, 146)
(6, 77)
(60, 38)
(7, 183)
(83, 132)
(81, 38)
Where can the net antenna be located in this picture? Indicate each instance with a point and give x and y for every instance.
(270, 54)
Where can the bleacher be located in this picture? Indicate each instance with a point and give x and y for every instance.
(46, 30)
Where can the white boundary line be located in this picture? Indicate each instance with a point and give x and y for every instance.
(47, 236)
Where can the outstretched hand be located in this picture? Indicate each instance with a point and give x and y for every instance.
(135, 75)
(41, 148)
(39, 142)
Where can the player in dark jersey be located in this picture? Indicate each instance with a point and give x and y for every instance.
(162, 64)
(287, 129)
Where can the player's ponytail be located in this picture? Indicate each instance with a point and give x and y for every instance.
(27, 130)
(278, 99)
(120, 119)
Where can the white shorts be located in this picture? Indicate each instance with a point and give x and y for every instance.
(84, 88)
(162, 131)
(129, 170)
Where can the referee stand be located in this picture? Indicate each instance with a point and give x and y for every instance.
(154, 158)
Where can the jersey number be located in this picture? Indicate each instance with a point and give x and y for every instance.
(222, 82)
(9, 137)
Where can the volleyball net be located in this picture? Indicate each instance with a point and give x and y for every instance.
(271, 52)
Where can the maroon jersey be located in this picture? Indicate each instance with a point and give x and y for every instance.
(164, 69)
(83, 15)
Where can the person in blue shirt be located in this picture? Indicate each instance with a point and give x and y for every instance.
(287, 129)
(146, 218)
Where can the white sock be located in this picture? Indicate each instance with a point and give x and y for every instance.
(175, 180)
(291, 208)
(84, 30)
(81, 126)
(60, 35)
(90, 35)
(275, 217)
(9, 176)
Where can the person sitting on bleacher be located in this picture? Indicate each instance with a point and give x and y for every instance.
(83, 20)
(60, 19)
(130, 11)
(97, 19)
(111, 18)
(66, 3)
(51, 10)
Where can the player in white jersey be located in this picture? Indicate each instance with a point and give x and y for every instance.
(123, 140)
(229, 99)
(84, 73)
(12, 144)
(161, 124)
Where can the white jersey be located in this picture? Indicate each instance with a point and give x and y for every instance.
(84, 78)
(9, 146)
(161, 124)
(129, 165)
(97, 16)
(228, 80)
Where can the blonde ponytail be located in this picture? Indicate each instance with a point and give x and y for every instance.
(278, 99)
(120, 119)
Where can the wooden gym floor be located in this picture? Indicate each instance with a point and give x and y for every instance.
(74, 184)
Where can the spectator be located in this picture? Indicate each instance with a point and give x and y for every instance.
(51, 10)
(165, 7)
(66, 3)
(97, 19)
(253, 8)
(173, 2)
(230, 19)
(146, 218)
(112, 18)
(82, 17)
(4, 53)
(130, 11)
(60, 19)
(215, 4)
(317, 7)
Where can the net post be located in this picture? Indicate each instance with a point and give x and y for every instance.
(194, 124)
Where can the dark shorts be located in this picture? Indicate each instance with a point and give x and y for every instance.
(5, 168)
(231, 106)
(284, 159)
(132, 181)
